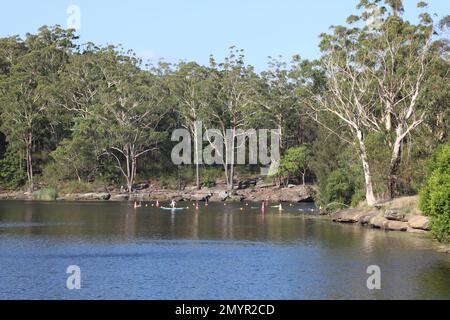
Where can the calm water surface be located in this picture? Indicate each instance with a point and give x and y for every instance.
(219, 252)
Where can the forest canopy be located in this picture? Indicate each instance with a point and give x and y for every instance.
(360, 121)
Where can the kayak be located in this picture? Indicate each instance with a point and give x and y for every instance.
(172, 209)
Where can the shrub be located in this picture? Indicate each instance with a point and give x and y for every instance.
(337, 191)
(12, 173)
(435, 194)
(210, 176)
(76, 186)
(48, 194)
(294, 163)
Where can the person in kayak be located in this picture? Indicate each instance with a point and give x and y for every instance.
(173, 204)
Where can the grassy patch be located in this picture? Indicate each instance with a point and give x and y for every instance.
(48, 194)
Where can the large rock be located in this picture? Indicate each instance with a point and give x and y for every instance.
(412, 230)
(15, 196)
(365, 217)
(220, 196)
(179, 198)
(120, 197)
(200, 195)
(236, 198)
(244, 184)
(262, 184)
(140, 186)
(88, 196)
(346, 216)
(419, 222)
(443, 249)
(379, 222)
(397, 225)
(296, 194)
(139, 197)
(394, 214)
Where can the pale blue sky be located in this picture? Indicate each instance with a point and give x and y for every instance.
(194, 29)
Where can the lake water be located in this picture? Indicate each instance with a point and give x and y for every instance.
(218, 252)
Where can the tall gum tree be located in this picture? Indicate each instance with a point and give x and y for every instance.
(375, 76)
(28, 87)
(232, 107)
(347, 94)
(399, 56)
(189, 86)
(129, 111)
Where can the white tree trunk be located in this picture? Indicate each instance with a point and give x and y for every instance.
(29, 160)
(370, 197)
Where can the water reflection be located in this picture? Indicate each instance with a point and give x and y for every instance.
(212, 253)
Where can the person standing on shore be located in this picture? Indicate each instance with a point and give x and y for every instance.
(207, 200)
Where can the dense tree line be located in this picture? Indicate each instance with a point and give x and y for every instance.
(360, 121)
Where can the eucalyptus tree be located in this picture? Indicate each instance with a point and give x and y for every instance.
(375, 76)
(81, 81)
(189, 87)
(232, 108)
(26, 90)
(75, 99)
(277, 97)
(399, 56)
(348, 95)
(129, 111)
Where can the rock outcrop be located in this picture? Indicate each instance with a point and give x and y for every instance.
(120, 197)
(419, 222)
(346, 216)
(86, 196)
(365, 218)
(379, 222)
(395, 215)
(391, 219)
(397, 226)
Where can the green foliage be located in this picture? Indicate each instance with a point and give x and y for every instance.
(294, 162)
(73, 159)
(76, 186)
(12, 173)
(169, 181)
(338, 191)
(82, 114)
(435, 195)
(379, 157)
(210, 177)
(48, 194)
(338, 173)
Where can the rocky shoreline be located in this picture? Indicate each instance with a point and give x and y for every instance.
(390, 218)
(400, 215)
(215, 194)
